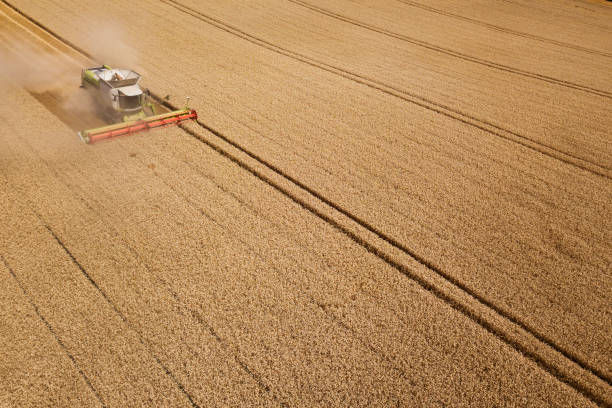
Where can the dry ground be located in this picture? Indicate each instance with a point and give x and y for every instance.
(384, 203)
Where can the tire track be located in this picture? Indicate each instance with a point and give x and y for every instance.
(505, 30)
(453, 53)
(50, 328)
(384, 357)
(201, 320)
(114, 307)
(508, 315)
(428, 264)
(431, 105)
(466, 118)
(455, 304)
(87, 276)
(440, 294)
(169, 373)
(207, 325)
(398, 266)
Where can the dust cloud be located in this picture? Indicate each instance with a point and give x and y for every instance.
(41, 72)
(108, 44)
(34, 68)
(42, 69)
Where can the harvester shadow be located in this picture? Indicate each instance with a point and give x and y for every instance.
(75, 109)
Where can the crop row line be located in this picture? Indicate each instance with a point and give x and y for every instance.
(53, 333)
(256, 253)
(505, 30)
(401, 94)
(112, 304)
(454, 53)
(105, 296)
(257, 378)
(169, 373)
(197, 316)
(371, 248)
(456, 304)
(508, 315)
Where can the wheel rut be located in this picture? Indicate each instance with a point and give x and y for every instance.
(505, 29)
(455, 53)
(426, 103)
(467, 310)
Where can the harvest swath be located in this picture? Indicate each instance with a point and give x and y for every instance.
(365, 211)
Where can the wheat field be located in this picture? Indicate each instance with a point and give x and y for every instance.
(382, 203)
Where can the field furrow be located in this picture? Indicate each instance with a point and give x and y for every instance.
(112, 361)
(267, 304)
(575, 25)
(476, 93)
(469, 233)
(36, 368)
(381, 203)
(522, 59)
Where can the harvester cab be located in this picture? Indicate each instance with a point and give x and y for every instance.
(121, 100)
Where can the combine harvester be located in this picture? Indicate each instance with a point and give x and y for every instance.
(123, 102)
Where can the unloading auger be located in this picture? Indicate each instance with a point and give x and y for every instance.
(121, 100)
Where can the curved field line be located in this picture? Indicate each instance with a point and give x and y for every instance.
(455, 304)
(256, 377)
(448, 299)
(506, 30)
(112, 304)
(225, 27)
(456, 54)
(52, 331)
(423, 102)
